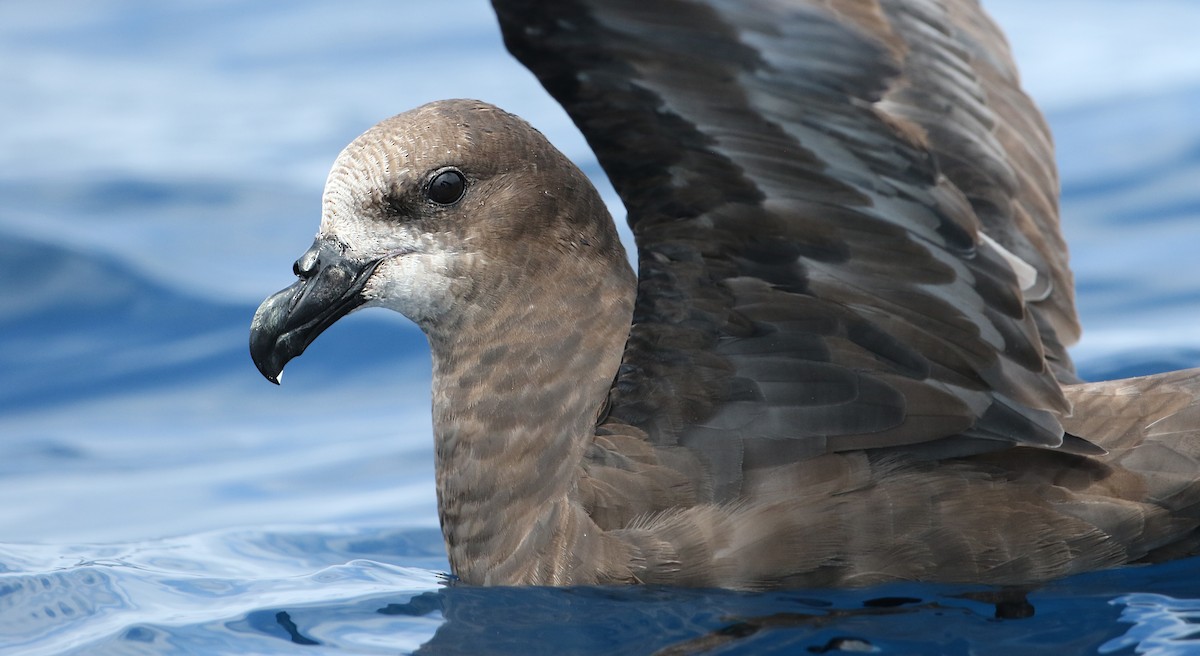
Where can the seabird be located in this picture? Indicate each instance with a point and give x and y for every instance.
(843, 358)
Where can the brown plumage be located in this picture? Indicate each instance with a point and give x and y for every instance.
(843, 358)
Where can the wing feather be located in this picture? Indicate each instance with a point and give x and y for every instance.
(832, 202)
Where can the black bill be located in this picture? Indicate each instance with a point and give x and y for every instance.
(330, 286)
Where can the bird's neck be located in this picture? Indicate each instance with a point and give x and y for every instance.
(516, 393)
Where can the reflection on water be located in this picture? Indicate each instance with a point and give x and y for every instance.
(1161, 625)
(168, 597)
(161, 185)
(193, 591)
(38, 608)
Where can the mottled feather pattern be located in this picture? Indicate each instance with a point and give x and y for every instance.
(787, 167)
(842, 361)
(809, 183)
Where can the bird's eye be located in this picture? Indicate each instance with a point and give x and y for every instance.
(446, 187)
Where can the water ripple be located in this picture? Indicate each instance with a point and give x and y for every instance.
(1162, 625)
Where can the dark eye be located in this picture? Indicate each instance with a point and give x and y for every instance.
(446, 187)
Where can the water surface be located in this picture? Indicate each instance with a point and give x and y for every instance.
(161, 166)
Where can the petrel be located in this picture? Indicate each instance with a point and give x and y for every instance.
(842, 360)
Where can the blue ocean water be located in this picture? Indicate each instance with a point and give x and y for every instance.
(161, 166)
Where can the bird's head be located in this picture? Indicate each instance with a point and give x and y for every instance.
(439, 213)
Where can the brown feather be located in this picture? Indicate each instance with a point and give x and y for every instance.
(843, 360)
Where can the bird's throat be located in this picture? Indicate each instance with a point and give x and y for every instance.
(516, 393)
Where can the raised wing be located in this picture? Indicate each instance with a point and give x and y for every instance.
(846, 222)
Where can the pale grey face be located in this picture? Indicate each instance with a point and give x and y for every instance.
(391, 200)
(412, 212)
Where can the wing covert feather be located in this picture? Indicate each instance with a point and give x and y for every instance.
(809, 184)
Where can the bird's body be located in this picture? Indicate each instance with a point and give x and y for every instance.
(843, 358)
